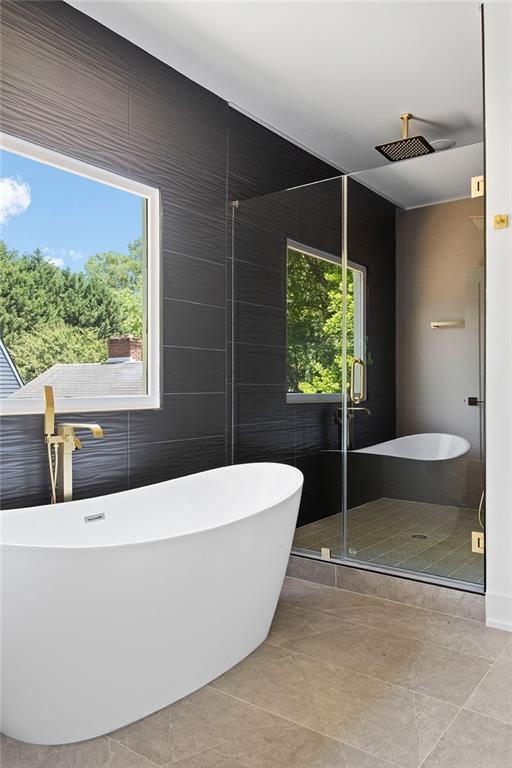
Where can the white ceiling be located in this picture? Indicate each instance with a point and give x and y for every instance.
(429, 179)
(332, 76)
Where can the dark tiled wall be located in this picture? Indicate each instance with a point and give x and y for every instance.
(371, 242)
(72, 85)
(266, 426)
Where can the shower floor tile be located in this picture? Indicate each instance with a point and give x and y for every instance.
(414, 536)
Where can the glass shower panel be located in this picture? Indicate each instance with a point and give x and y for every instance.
(286, 350)
(415, 454)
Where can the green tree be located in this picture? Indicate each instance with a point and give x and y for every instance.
(119, 271)
(123, 274)
(50, 315)
(36, 350)
(314, 323)
(34, 292)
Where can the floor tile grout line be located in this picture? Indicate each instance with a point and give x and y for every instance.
(397, 602)
(430, 643)
(490, 659)
(432, 562)
(405, 531)
(455, 513)
(430, 752)
(383, 526)
(465, 708)
(139, 754)
(440, 559)
(402, 532)
(302, 725)
(363, 674)
(473, 556)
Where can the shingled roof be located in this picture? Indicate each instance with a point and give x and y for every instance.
(87, 380)
(10, 379)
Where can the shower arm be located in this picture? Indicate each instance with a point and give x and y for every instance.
(405, 124)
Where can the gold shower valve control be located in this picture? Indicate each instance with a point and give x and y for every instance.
(500, 221)
(478, 542)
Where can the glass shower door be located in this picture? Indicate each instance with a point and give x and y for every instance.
(414, 450)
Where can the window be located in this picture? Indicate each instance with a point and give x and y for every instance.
(79, 284)
(314, 303)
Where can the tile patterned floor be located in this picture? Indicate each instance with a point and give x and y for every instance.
(344, 680)
(390, 532)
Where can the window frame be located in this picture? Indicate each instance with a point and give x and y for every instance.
(307, 250)
(152, 333)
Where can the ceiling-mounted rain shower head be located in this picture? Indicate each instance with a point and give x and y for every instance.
(406, 147)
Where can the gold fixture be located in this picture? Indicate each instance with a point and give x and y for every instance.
(408, 146)
(478, 542)
(500, 221)
(477, 186)
(405, 124)
(448, 324)
(325, 553)
(63, 444)
(358, 397)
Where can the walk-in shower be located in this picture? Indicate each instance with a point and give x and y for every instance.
(357, 356)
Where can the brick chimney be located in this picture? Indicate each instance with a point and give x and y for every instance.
(124, 349)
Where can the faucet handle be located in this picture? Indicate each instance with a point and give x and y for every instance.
(94, 428)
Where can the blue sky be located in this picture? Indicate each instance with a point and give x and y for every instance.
(67, 216)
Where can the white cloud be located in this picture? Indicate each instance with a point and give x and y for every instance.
(59, 257)
(14, 198)
(55, 262)
(75, 255)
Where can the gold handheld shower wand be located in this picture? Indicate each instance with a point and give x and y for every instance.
(64, 443)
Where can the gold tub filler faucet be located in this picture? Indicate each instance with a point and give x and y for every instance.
(63, 443)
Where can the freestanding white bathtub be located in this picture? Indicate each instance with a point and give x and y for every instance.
(117, 606)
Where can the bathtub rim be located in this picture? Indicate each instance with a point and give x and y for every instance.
(143, 541)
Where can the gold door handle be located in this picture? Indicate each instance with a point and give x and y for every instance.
(358, 397)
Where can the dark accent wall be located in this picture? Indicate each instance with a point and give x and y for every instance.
(371, 243)
(305, 434)
(74, 86)
(266, 426)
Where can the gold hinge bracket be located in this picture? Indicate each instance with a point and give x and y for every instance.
(478, 542)
(477, 186)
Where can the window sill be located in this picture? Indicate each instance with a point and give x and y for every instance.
(20, 406)
(320, 397)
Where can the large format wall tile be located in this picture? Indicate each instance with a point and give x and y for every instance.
(74, 86)
(194, 370)
(190, 324)
(182, 416)
(155, 462)
(194, 279)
